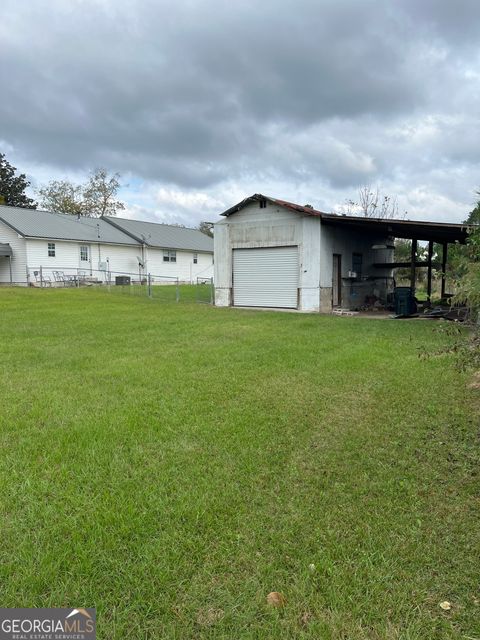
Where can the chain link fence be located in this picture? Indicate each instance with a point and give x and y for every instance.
(148, 285)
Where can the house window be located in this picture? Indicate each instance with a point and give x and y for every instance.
(263, 203)
(51, 249)
(169, 256)
(195, 258)
(84, 253)
(357, 260)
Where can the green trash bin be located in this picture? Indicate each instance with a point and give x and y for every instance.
(405, 304)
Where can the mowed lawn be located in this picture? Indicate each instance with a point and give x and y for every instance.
(172, 464)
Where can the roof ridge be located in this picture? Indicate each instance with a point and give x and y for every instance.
(163, 224)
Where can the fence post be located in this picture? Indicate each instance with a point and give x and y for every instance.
(177, 292)
(149, 285)
(41, 276)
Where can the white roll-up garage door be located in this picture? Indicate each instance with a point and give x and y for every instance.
(266, 277)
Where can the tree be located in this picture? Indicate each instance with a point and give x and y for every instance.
(99, 194)
(12, 186)
(93, 199)
(468, 283)
(62, 196)
(206, 228)
(474, 215)
(372, 204)
(403, 253)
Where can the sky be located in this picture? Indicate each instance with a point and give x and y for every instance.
(201, 103)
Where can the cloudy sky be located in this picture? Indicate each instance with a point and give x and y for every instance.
(199, 103)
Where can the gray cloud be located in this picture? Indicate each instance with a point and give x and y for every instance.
(219, 97)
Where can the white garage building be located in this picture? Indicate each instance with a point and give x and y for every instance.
(273, 253)
(97, 247)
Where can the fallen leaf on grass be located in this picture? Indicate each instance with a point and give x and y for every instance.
(445, 605)
(276, 599)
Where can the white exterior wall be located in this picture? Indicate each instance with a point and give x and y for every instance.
(30, 254)
(67, 257)
(121, 259)
(272, 226)
(184, 268)
(19, 257)
(255, 227)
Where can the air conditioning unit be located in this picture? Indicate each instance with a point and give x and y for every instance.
(352, 274)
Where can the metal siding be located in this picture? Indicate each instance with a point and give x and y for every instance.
(266, 277)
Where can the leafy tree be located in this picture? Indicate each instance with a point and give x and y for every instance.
(93, 199)
(99, 194)
(13, 186)
(468, 282)
(403, 253)
(206, 228)
(62, 196)
(474, 215)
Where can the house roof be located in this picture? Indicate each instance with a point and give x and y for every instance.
(166, 236)
(410, 229)
(34, 223)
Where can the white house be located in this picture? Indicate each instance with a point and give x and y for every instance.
(273, 253)
(169, 250)
(100, 248)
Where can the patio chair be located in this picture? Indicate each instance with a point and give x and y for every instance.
(59, 276)
(44, 280)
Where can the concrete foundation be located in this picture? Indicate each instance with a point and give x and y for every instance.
(326, 299)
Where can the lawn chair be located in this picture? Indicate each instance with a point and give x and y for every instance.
(59, 276)
(43, 280)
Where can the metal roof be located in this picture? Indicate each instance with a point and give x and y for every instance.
(410, 229)
(166, 236)
(34, 223)
(5, 250)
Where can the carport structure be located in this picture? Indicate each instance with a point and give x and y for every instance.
(431, 232)
(6, 252)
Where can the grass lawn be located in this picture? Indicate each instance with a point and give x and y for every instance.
(172, 464)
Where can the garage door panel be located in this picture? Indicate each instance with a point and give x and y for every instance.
(266, 277)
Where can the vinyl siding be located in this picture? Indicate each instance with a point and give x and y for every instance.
(19, 257)
(121, 259)
(184, 269)
(67, 257)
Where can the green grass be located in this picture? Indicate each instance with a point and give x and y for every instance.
(171, 464)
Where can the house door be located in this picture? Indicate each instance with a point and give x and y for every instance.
(85, 258)
(337, 280)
